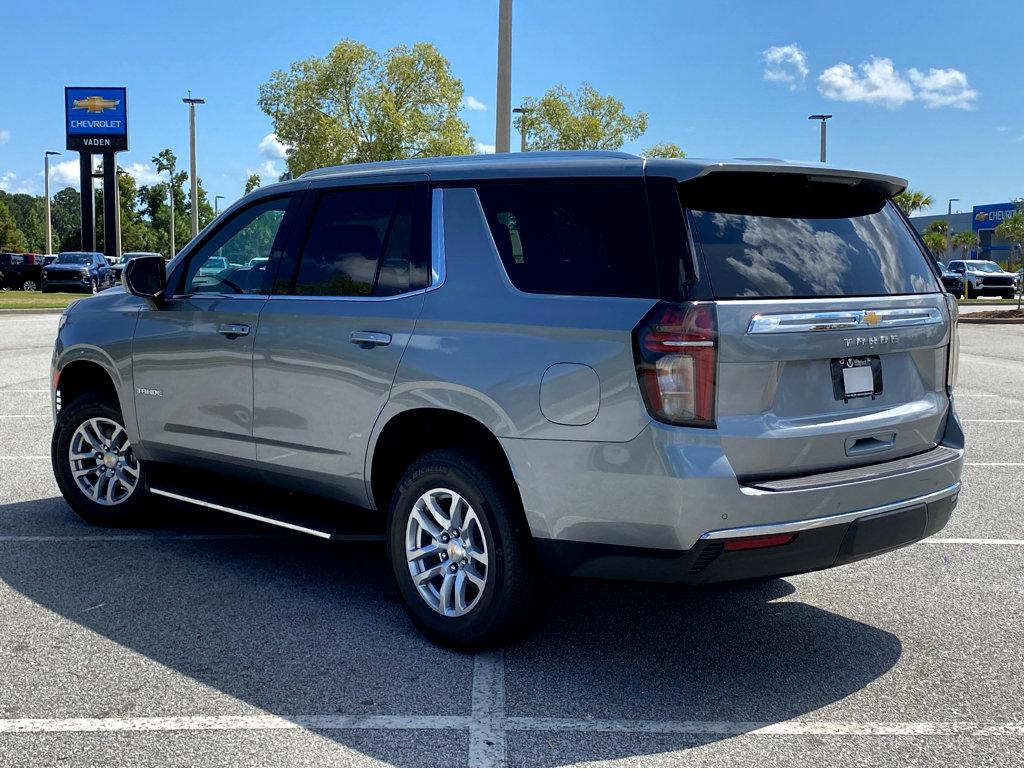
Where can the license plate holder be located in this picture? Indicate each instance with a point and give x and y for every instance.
(856, 377)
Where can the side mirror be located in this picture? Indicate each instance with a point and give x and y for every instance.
(146, 276)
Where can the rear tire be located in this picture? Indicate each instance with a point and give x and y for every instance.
(29, 285)
(476, 584)
(94, 463)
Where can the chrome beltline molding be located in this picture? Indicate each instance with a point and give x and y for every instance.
(799, 322)
(828, 520)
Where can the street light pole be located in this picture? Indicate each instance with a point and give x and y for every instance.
(216, 206)
(949, 223)
(46, 194)
(503, 103)
(524, 111)
(822, 118)
(192, 158)
(170, 190)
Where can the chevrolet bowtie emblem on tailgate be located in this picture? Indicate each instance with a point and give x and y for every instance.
(871, 317)
(95, 104)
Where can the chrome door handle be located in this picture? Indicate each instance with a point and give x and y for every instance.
(233, 329)
(369, 338)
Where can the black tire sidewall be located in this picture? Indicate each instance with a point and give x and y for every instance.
(129, 512)
(488, 620)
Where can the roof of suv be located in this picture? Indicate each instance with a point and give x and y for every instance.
(587, 163)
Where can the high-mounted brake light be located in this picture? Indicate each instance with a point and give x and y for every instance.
(676, 359)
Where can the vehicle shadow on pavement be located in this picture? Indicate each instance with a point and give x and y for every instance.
(298, 626)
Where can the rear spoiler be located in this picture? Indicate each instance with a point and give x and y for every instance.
(684, 170)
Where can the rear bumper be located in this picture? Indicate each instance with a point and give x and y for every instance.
(818, 543)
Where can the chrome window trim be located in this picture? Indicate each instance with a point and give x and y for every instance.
(790, 527)
(203, 295)
(319, 298)
(843, 320)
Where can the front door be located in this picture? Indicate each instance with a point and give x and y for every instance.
(332, 335)
(192, 355)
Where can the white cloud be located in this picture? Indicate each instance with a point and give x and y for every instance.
(9, 182)
(877, 82)
(271, 147)
(1002, 128)
(473, 103)
(63, 174)
(144, 173)
(485, 149)
(943, 88)
(5, 136)
(785, 64)
(268, 171)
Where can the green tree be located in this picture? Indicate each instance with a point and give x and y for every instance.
(912, 201)
(11, 238)
(965, 241)
(584, 120)
(28, 212)
(356, 105)
(664, 150)
(66, 216)
(936, 243)
(252, 183)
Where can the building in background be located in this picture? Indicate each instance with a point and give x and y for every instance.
(982, 220)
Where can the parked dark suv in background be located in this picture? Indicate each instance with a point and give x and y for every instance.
(21, 271)
(78, 271)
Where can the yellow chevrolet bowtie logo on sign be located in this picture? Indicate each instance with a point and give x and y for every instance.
(871, 317)
(95, 104)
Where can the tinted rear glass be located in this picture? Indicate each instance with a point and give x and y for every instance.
(790, 237)
(568, 237)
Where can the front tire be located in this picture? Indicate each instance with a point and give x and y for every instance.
(461, 552)
(28, 285)
(94, 463)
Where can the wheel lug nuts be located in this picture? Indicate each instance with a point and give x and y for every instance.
(444, 556)
(465, 561)
(444, 538)
(455, 533)
(453, 568)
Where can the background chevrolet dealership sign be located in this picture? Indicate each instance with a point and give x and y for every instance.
(96, 119)
(991, 216)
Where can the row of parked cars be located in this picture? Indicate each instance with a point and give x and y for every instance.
(981, 277)
(88, 271)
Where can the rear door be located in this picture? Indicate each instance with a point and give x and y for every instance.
(833, 325)
(332, 334)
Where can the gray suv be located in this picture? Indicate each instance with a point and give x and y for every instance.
(512, 366)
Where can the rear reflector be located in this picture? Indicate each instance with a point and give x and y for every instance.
(753, 543)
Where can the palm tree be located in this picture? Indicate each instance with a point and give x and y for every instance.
(912, 201)
(935, 241)
(965, 241)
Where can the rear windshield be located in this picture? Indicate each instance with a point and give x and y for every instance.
(790, 237)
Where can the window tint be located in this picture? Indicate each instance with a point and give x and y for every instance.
(234, 259)
(775, 236)
(558, 237)
(362, 242)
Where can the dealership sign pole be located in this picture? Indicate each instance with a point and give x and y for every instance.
(96, 123)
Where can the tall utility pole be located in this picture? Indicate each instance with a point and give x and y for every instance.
(949, 223)
(192, 158)
(503, 103)
(170, 191)
(46, 194)
(524, 111)
(822, 118)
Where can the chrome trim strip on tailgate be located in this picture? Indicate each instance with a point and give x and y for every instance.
(790, 527)
(793, 322)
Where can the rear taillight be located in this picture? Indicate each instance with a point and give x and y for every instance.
(676, 359)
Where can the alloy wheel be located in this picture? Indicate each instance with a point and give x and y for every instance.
(447, 552)
(103, 463)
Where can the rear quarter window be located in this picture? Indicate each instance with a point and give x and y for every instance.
(570, 237)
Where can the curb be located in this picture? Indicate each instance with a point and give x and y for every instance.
(32, 311)
(1006, 321)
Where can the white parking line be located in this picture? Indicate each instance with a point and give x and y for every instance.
(27, 456)
(2, 391)
(974, 395)
(529, 724)
(487, 731)
(965, 541)
(997, 421)
(26, 416)
(993, 464)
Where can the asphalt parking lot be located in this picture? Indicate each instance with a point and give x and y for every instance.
(203, 640)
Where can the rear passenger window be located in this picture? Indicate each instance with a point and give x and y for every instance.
(567, 237)
(362, 242)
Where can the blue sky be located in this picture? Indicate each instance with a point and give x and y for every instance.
(930, 92)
